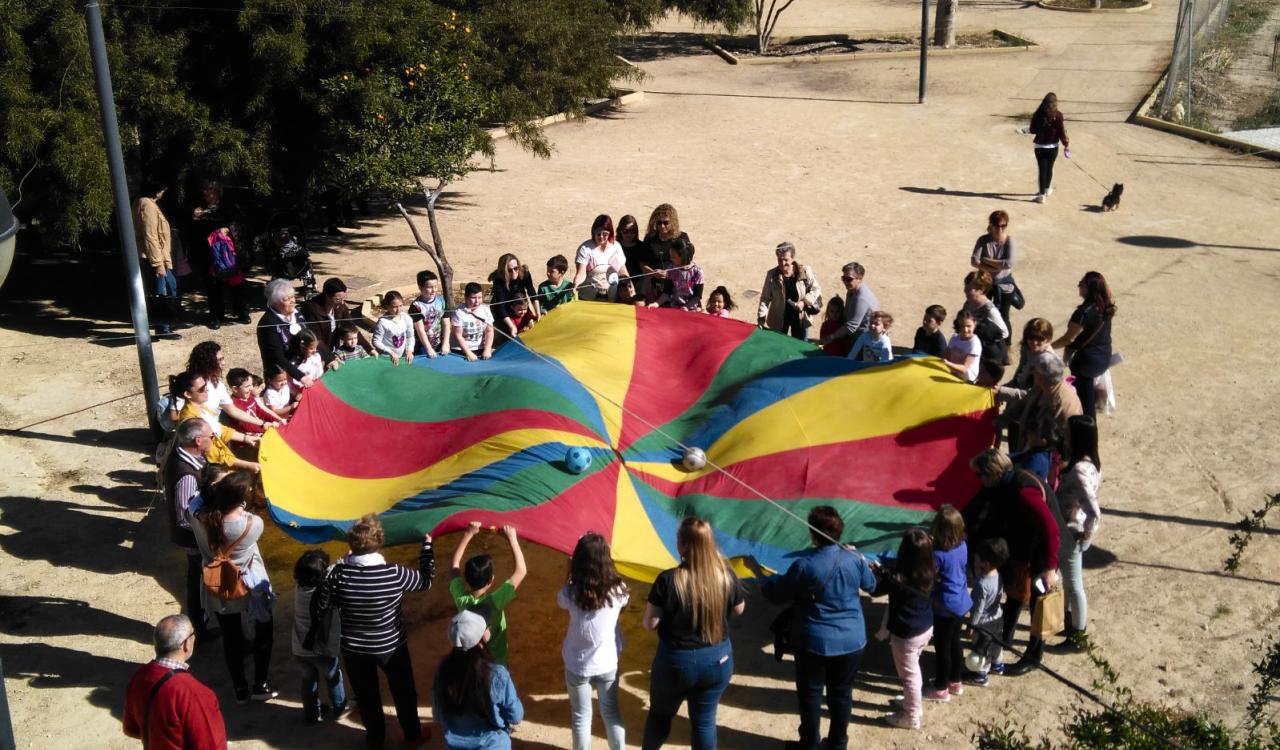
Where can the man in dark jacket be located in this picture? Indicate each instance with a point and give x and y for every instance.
(181, 483)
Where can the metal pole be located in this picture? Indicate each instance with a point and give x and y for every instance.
(124, 216)
(924, 48)
(1191, 35)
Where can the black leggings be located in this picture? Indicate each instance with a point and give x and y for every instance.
(946, 646)
(233, 649)
(362, 670)
(1044, 163)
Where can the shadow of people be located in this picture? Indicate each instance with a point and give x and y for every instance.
(43, 616)
(1002, 196)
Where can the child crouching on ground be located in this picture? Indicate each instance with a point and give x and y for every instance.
(985, 618)
(909, 584)
(322, 659)
(473, 588)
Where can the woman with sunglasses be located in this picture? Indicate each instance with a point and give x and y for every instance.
(633, 248)
(663, 229)
(995, 253)
(600, 261)
(512, 281)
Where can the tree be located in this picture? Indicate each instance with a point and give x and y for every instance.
(944, 24)
(247, 92)
(412, 129)
(767, 21)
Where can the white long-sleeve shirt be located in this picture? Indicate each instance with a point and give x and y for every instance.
(394, 335)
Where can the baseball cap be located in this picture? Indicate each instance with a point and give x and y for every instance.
(467, 629)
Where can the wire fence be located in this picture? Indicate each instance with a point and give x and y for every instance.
(1198, 22)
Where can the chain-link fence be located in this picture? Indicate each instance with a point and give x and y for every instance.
(1198, 21)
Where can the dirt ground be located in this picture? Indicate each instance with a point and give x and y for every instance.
(839, 159)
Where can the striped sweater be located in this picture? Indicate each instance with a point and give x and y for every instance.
(367, 590)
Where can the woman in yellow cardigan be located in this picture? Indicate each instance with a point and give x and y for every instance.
(194, 389)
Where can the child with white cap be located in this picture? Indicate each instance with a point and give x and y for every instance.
(473, 697)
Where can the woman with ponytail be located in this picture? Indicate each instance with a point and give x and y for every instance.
(689, 606)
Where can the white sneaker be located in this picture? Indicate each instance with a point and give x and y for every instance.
(900, 721)
(1039, 198)
(1048, 192)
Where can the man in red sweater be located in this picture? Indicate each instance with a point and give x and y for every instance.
(173, 708)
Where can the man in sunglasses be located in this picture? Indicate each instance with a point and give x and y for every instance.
(859, 303)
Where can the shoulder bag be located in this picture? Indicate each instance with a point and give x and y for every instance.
(785, 620)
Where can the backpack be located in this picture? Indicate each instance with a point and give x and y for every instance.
(994, 349)
(222, 577)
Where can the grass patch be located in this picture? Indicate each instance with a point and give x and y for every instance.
(1268, 116)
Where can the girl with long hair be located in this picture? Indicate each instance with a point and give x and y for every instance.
(473, 697)
(951, 601)
(1049, 129)
(689, 606)
(224, 526)
(909, 584)
(1078, 496)
(1088, 338)
(512, 281)
(595, 595)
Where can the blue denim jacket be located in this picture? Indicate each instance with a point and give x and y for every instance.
(833, 624)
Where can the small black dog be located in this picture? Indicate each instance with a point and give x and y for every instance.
(1112, 200)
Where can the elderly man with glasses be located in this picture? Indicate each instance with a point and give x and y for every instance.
(859, 303)
(182, 483)
(166, 706)
(789, 296)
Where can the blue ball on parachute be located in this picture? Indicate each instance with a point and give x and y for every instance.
(577, 459)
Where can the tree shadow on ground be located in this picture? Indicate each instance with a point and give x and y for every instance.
(1159, 242)
(643, 48)
(86, 296)
(39, 617)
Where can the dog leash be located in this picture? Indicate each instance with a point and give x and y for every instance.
(1086, 173)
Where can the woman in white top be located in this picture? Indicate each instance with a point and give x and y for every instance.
(599, 260)
(206, 360)
(594, 595)
(1078, 497)
(393, 335)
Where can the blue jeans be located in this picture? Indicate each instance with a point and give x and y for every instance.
(698, 675)
(1070, 560)
(836, 674)
(312, 667)
(606, 686)
(167, 285)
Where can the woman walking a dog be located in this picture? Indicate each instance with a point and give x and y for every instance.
(1049, 128)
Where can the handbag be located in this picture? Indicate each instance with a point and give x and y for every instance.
(1048, 617)
(1016, 299)
(1072, 348)
(783, 622)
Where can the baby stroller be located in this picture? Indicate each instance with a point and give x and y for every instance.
(288, 257)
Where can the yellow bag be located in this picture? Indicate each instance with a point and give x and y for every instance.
(1048, 617)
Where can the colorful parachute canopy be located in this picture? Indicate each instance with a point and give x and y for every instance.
(437, 444)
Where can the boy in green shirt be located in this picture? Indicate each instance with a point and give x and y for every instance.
(472, 588)
(556, 290)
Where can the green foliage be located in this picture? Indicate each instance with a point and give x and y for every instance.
(1245, 528)
(1267, 116)
(253, 92)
